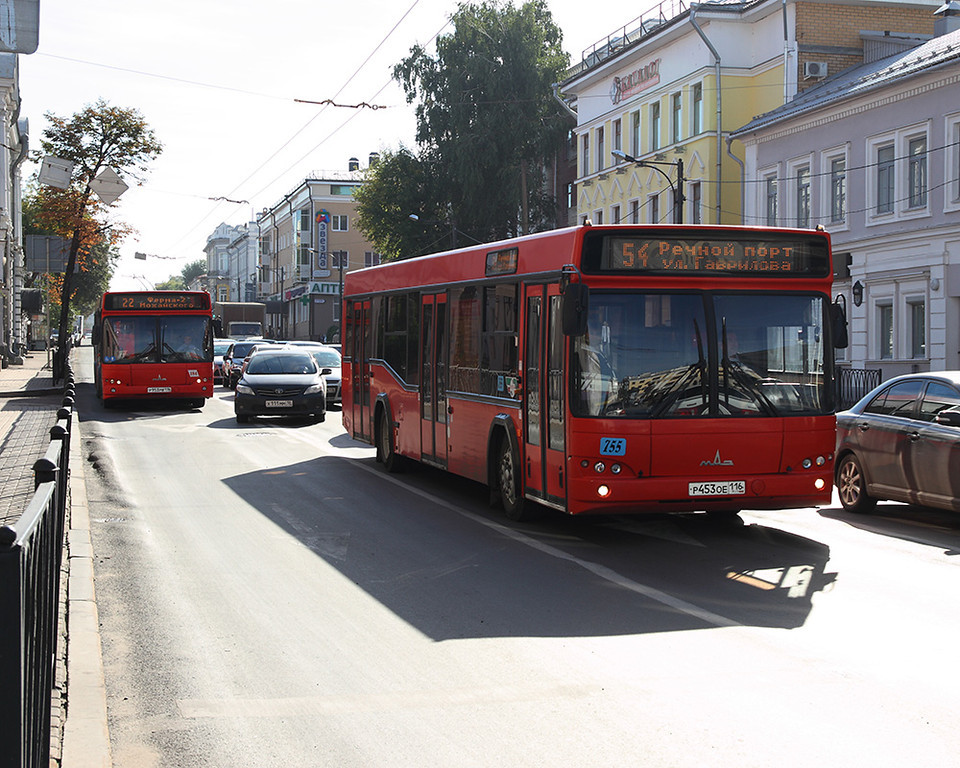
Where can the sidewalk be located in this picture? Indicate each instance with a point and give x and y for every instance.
(29, 402)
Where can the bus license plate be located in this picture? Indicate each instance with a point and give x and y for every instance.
(279, 403)
(158, 390)
(725, 488)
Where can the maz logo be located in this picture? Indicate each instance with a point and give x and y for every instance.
(717, 462)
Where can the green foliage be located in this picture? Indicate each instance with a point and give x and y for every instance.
(486, 118)
(192, 271)
(174, 283)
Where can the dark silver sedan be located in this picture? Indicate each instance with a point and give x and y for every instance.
(901, 442)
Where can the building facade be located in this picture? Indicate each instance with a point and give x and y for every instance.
(13, 151)
(307, 241)
(873, 155)
(231, 254)
(669, 88)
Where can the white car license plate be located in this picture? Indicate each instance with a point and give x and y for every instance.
(725, 488)
(279, 403)
(158, 390)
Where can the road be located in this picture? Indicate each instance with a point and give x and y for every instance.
(270, 597)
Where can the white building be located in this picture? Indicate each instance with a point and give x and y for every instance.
(873, 155)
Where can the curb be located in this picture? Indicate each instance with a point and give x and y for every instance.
(86, 737)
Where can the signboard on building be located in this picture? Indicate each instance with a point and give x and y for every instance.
(322, 265)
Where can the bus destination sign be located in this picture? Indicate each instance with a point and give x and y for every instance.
(157, 301)
(793, 257)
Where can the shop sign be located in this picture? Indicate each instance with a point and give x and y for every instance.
(636, 81)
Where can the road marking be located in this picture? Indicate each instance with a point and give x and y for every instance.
(601, 571)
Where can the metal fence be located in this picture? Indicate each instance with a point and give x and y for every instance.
(31, 553)
(854, 383)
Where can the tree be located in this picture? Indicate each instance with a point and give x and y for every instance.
(192, 271)
(486, 116)
(47, 211)
(99, 136)
(399, 187)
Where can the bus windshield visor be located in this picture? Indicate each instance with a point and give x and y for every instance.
(670, 355)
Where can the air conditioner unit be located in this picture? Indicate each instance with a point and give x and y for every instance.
(816, 70)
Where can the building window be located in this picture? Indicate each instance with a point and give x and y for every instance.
(634, 211)
(676, 110)
(617, 135)
(615, 215)
(771, 201)
(918, 328)
(917, 171)
(803, 197)
(654, 209)
(885, 329)
(635, 133)
(339, 259)
(223, 293)
(570, 192)
(838, 190)
(304, 220)
(338, 223)
(370, 259)
(655, 125)
(601, 148)
(585, 154)
(697, 108)
(598, 217)
(696, 201)
(885, 179)
(265, 245)
(342, 190)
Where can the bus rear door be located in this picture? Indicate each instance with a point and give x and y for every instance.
(433, 389)
(360, 371)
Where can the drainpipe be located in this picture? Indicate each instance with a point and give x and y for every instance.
(716, 65)
(743, 179)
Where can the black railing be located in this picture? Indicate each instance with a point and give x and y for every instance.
(31, 553)
(854, 383)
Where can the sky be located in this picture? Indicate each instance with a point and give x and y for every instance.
(218, 82)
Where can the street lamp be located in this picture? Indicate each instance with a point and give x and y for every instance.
(678, 196)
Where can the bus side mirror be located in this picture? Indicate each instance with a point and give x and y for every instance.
(575, 302)
(838, 318)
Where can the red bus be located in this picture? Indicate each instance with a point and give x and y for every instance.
(154, 344)
(604, 369)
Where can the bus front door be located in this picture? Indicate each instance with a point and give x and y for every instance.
(360, 371)
(543, 396)
(433, 379)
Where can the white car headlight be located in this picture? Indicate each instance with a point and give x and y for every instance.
(313, 389)
(243, 389)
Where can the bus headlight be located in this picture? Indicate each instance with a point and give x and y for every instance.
(819, 483)
(603, 491)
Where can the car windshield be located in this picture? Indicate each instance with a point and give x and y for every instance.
(221, 347)
(265, 363)
(700, 354)
(326, 358)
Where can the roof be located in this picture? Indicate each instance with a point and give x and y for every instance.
(856, 81)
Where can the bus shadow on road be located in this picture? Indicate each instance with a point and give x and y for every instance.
(432, 552)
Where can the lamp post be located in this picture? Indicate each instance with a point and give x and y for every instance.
(678, 197)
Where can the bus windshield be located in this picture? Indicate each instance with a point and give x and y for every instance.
(152, 339)
(669, 355)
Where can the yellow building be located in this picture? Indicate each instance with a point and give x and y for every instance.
(657, 99)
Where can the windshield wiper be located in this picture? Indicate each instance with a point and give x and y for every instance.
(671, 395)
(737, 369)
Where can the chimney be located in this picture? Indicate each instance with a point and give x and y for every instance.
(353, 164)
(948, 18)
(374, 159)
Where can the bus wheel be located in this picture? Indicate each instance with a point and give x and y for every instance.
(852, 486)
(390, 459)
(513, 502)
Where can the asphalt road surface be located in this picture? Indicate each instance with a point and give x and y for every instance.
(268, 596)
